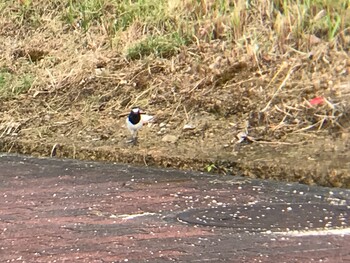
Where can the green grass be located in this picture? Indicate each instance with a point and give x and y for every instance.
(119, 15)
(12, 85)
(166, 25)
(323, 18)
(162, 46)
(83, 13)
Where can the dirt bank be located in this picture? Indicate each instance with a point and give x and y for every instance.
(275, 108)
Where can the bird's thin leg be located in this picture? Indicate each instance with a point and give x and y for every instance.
(133, 139)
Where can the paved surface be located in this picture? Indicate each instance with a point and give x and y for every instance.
(70, 211)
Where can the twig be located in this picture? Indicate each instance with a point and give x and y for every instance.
(53, 150)
(280, 86)
(186, 113)
(197, 84)
(283, 111)
(238, 83)
(177, 107)
(143, 93)
(308, 127)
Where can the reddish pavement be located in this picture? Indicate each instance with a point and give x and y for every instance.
(70, 211)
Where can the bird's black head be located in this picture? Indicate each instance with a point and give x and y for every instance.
(135, 116)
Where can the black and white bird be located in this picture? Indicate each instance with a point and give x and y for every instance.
(134, 122)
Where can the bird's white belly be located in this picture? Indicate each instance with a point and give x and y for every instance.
(133, 127)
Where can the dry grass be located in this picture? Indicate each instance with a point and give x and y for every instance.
(70, 67)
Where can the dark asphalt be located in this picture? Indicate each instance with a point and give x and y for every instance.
(70, 211)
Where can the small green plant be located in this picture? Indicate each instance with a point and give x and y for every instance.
(210, 168)
(333, 25)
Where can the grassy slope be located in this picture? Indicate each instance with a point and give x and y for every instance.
(69, 68)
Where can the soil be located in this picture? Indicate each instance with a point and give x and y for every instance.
(216, 110)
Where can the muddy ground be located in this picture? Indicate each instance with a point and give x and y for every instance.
(206, 100)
